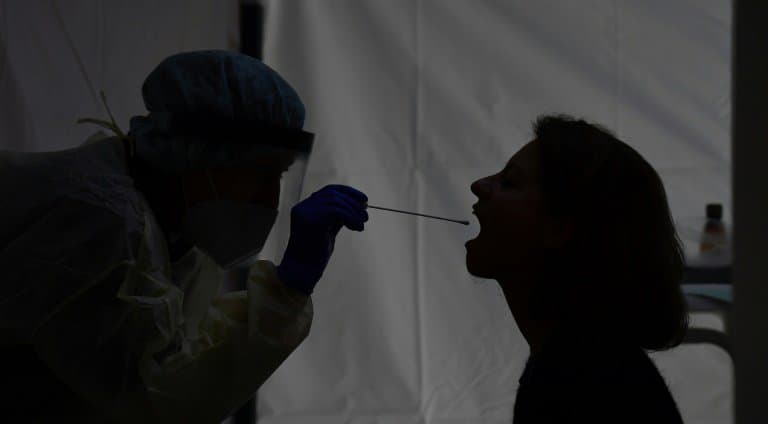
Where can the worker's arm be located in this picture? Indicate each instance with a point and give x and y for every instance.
(107, 319)
(251, 333)
(110, 323)
(262, 334)
(131, 360)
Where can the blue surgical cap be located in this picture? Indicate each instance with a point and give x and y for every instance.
(222, 86)
(196, 99)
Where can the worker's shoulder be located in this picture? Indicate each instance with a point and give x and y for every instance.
(81, 206)
(74, 232)
(97, 156)
(94, 175)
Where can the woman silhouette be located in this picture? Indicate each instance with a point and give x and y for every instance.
(577, 231)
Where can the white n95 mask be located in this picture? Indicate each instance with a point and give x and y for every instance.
(228, 232)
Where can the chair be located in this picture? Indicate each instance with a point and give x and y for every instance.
(708, 289)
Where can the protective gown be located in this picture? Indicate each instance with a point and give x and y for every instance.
(88, 292)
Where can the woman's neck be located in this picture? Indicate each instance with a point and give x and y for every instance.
(535, 328)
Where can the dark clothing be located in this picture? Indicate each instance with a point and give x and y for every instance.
(576, 379)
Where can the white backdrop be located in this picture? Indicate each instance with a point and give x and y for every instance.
(414, 99)
(43, 90)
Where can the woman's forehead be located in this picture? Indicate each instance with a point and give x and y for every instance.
(526, 159)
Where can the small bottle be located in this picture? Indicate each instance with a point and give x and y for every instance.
(714, 239)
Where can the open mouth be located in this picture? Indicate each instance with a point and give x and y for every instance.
(475, 211)
(475, 227)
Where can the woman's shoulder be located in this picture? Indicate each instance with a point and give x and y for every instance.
(582, 376)
(581, 358)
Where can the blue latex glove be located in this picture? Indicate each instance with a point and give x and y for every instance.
(315, 222)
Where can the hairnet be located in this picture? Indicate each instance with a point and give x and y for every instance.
(212, 107)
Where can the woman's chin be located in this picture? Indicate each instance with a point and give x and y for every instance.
(479, 273)
(474, 260)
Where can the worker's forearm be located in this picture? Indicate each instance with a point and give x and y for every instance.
(208, 388)
(250, 334)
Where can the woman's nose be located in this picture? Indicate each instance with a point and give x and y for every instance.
(480, 188)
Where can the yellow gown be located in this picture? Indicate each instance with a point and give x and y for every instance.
(86, 284)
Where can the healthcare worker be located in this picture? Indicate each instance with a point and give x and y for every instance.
(112, 253)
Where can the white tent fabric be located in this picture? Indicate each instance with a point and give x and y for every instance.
(414, 99)
(51, 49)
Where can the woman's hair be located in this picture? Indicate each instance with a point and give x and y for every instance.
(623, 265)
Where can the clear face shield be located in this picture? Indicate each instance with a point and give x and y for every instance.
(255, 189)
(282, 195)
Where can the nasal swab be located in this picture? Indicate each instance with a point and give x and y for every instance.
(419, 214)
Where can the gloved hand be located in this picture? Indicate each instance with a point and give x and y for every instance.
(315, 222)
